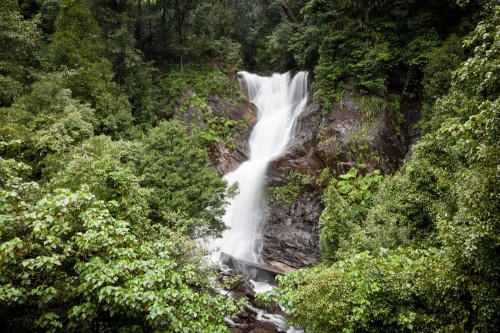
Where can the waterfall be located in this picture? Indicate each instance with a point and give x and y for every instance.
(279, 99)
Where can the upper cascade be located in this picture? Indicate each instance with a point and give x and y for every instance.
(280, 99)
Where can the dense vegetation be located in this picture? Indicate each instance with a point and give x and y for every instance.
(103, 189)
(102, 192)
(423, 253)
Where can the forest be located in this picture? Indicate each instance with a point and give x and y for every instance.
(104, 188)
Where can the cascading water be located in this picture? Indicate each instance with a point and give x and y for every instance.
(279, 99)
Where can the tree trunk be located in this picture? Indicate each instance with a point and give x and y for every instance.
(288, 12)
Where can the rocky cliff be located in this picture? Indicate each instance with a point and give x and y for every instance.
(227, 154)
(345, 137)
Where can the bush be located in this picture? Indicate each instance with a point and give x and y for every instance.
(392, 290)
(174, 168)
(347, 201)
(67, 264)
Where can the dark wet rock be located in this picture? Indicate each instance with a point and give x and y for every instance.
(239, 283)
(290, 235)
(256, 316)
(345, 137)
(279, 266)
(235, 283)
(257, 271)
(264, 328)
(251, 319)
(236, 330)
(227, 159)
(271, 307)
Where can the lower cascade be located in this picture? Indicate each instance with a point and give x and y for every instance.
(280, 99)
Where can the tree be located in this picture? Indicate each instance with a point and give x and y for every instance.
(78, 50)
(390, 290)
(174, 168)
(67, 264)
(133, 75)
(78, 45)
(347, 202)
(288, 11)
(363, 42)
(48, 120)
(20, 40)
(99, 164)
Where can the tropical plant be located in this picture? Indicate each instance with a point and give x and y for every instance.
(391, 290)
(173, 167)
(347, 201)
(67, 264)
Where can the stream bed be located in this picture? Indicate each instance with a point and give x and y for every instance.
(255, 317)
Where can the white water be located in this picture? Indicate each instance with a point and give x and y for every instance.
(279, 99)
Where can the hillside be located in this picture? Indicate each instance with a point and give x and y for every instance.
(118, 119)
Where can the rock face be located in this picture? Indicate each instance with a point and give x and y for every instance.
(225, 156)
(346, 137)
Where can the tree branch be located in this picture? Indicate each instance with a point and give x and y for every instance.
(288, 12)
